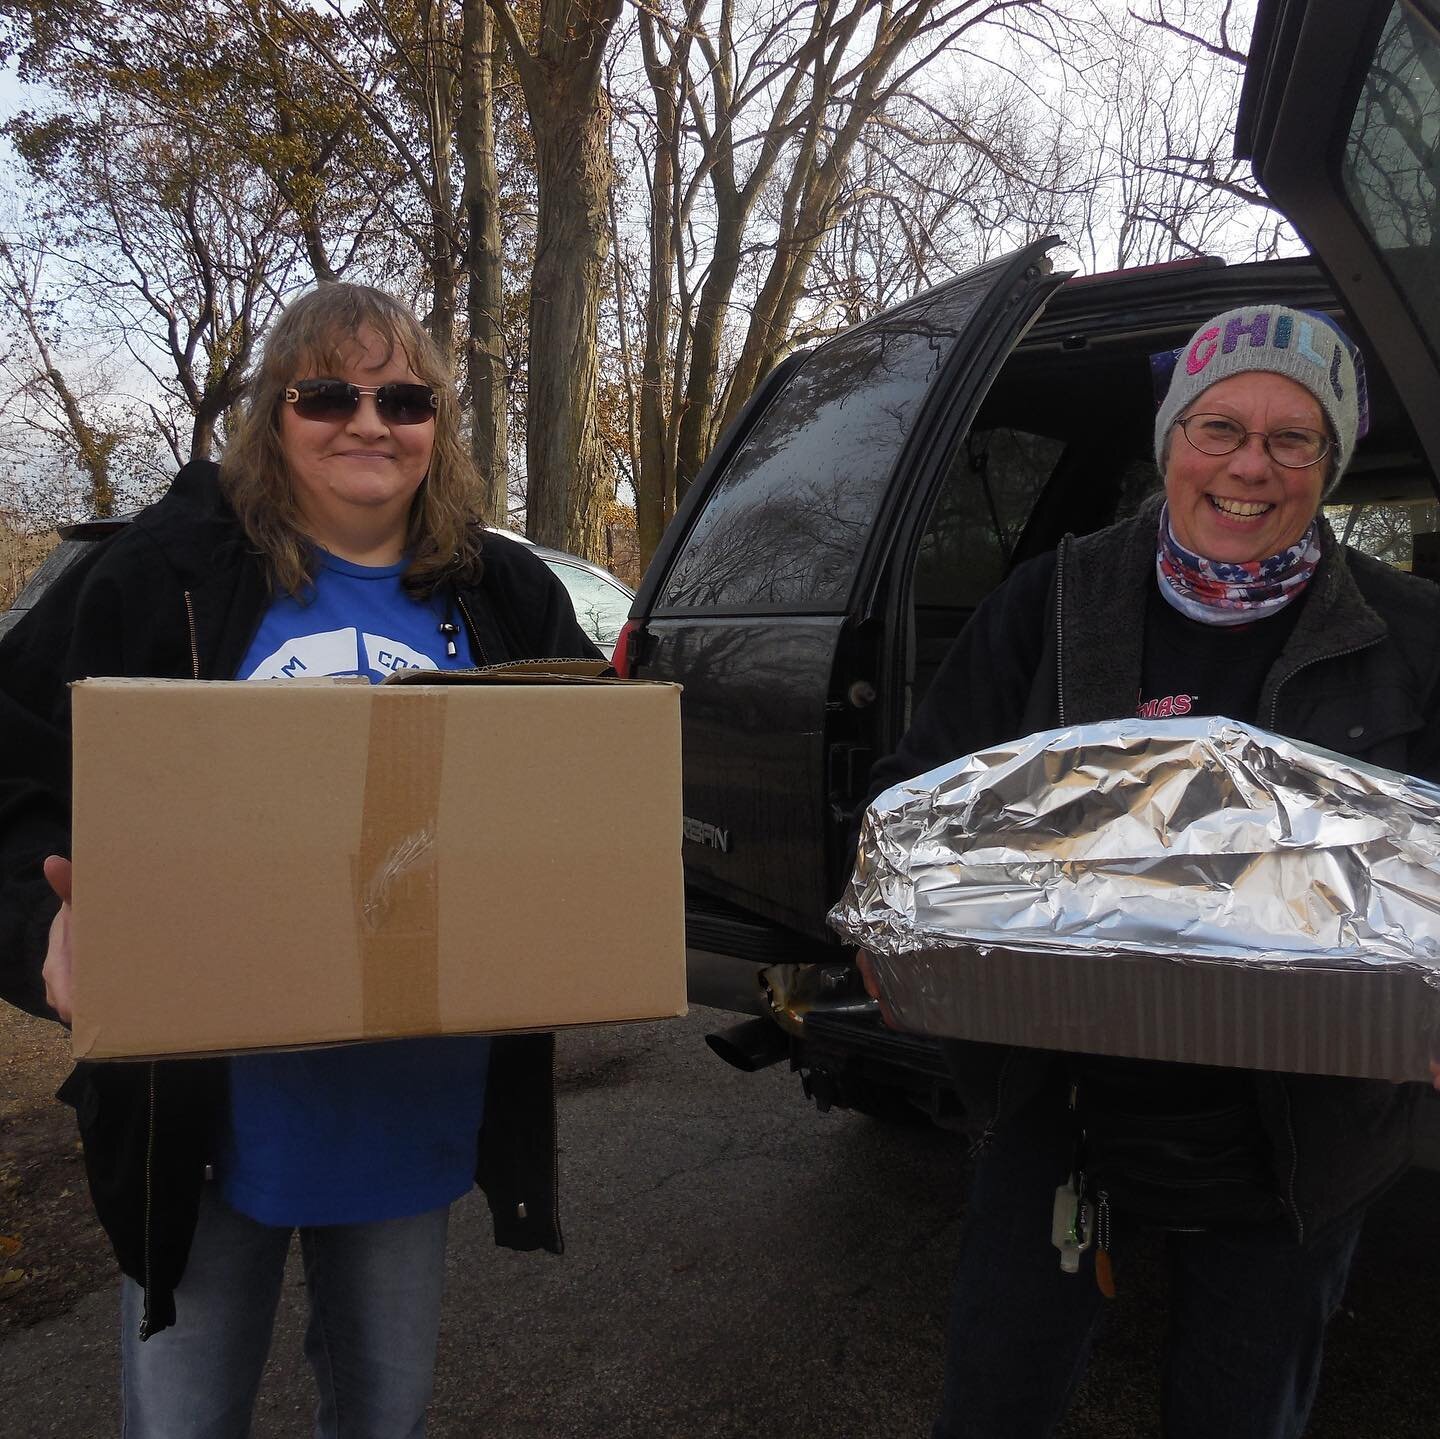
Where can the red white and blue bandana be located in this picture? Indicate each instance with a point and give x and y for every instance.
(1217, 592)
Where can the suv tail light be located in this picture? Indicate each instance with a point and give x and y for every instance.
(626, 649)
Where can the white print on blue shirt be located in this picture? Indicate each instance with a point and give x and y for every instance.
(339, 652)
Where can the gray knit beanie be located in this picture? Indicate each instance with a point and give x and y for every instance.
(1305, 347)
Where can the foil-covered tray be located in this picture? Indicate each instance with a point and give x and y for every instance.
(1194, 890)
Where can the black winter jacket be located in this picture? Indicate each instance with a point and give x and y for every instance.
(1062, 643)
(179, 593)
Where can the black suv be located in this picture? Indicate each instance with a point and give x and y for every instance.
(877, 487)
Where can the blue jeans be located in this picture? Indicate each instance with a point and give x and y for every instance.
(1248, 1309)
(374, 1316)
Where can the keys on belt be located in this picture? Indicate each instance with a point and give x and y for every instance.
(1076, 1224)
(1072, 1225)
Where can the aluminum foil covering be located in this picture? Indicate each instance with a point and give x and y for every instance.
(1197, 843)
(1206, 838)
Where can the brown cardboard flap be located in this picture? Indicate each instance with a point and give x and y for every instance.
(559, 671)
(568, 668)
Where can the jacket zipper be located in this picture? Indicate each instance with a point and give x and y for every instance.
(1060, 632)
(477, 650)
(194, 642)
(987, 1135)
(1290, 1201)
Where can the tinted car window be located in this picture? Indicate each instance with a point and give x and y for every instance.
(987, 496)
(1391, 166)
(1391, 177)
(787, 521)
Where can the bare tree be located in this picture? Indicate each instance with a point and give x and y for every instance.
(1159, 87)
(397, 66)
(180, 258)
(845, 94)
(189, 177)
(51, 405)
(942, 180)
(619, 221)
(656, 434)
(757, 117)
(484, 261)
(560, 70)
(423, 75)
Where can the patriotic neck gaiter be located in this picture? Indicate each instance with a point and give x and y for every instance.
(1216, 592)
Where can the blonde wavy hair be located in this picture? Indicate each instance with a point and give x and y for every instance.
(313, 336)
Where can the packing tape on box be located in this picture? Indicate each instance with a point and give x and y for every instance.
(397, 882)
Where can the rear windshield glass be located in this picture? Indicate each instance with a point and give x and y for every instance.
(1391, 164)
(787, 522)
(1390, 171)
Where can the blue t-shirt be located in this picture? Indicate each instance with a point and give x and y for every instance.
(363, 1131)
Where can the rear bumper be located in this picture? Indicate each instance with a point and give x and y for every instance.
(842, 1049)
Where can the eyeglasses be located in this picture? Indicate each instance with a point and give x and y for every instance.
(1294, 447)
(334, 400)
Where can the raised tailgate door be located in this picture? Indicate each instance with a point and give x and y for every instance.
(1340, 116)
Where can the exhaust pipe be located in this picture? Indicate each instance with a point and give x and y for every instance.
(756, 1044)
(793, 991)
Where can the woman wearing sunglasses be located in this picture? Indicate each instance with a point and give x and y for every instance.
(336, 537)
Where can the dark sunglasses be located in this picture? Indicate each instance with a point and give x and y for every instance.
(397, 403)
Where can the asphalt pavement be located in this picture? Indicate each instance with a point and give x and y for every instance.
(739, 1265)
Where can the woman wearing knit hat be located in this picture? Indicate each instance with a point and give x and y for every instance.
(1227, 595)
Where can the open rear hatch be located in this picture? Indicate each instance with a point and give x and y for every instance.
(1340, 117)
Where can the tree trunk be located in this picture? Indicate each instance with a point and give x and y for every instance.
(814, 190)
(202, 435)
(697, 418)
(94, 449)
(442, 200)
(770, 319)
(567, 473)
(809, 211)
(655, 480)
(567, 469)
(485, 296)
(93, 446)
(733, 207)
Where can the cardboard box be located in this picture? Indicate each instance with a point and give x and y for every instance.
(1381, 1024)
(292, 864)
